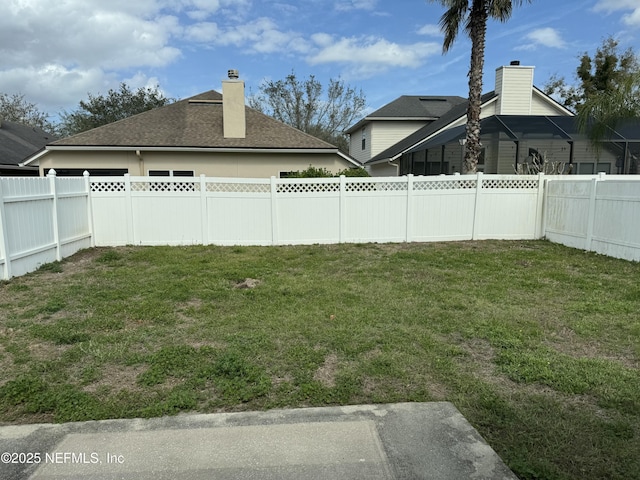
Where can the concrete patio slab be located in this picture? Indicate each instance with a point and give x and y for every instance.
(394, 441)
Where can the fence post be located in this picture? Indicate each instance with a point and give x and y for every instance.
(274, 212)
(342, 217)
(204, 217)
(540, 211)
(54, 213)
(476, 208)
(131, 234)
(87, 186)
(591, 213)
(4, 239)
(408, 234)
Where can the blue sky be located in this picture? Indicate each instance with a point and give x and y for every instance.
(55, 52)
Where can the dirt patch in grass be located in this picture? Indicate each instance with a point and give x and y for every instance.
(46, 351)
(118, 376)
(326, 374)
(566, 341)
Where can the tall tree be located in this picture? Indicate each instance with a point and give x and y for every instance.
(604, 71)
(473, 15)
(14, 108)
(603, 110)
(115, 105)
(301, 104)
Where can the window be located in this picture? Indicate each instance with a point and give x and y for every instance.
(364, 138)
(171, 173)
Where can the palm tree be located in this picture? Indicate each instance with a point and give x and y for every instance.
(474, 14)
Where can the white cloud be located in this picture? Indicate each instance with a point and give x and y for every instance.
(56, 52)
(370, 55)
(258, 36)
(611, 6)
(546, 37)
(349, 5)
(84, 35)
(54, 87)
(431, 30)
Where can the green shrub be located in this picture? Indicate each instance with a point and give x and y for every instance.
(314, 172)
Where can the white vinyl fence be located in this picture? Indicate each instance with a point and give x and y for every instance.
(47, 219)
(41, 220)
(600, 214)
(228, 211)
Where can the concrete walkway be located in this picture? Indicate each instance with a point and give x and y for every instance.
(396, 441)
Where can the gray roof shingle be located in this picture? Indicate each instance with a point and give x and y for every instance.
(194, 122)
(18, 141)
(419, 107)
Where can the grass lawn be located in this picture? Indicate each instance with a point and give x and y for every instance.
(536, 344)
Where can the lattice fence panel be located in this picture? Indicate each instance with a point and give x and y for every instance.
(308, 188)
(108, 187)
(165, 187)
(376, 187)
(445, 185)
(507, 183)
(239, 187)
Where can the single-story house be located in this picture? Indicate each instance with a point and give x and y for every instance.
(17, 143)
(211, 133)
(519, 123)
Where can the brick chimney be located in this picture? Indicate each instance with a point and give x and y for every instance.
(514, 85)
(233, 109)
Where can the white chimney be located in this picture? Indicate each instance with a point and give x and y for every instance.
(514, 86)
(233, 109)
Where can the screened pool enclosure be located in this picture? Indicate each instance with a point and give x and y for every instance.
(518, 143)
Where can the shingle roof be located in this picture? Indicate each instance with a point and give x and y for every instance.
(18, 141)
(412, 107)
(195, 122)
(424, 132)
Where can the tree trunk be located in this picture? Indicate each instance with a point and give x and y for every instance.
(478, 18)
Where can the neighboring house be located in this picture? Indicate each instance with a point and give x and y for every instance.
(17, 143)
(211, 134)
(393, 122)
(519, 122)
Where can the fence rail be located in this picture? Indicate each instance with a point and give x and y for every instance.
(47, 219)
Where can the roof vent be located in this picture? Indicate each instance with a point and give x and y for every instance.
(513, 62)
(233, 74)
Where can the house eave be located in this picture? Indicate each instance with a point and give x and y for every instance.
(188, 149)
(133, 148)
(18, 167)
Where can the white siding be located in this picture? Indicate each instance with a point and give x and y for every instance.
(540, 105)
(355, 145)
(385, 134)
(514, 85)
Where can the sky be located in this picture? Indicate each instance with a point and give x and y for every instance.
(56, 52)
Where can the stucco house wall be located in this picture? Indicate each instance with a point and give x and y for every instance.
(224, 164)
